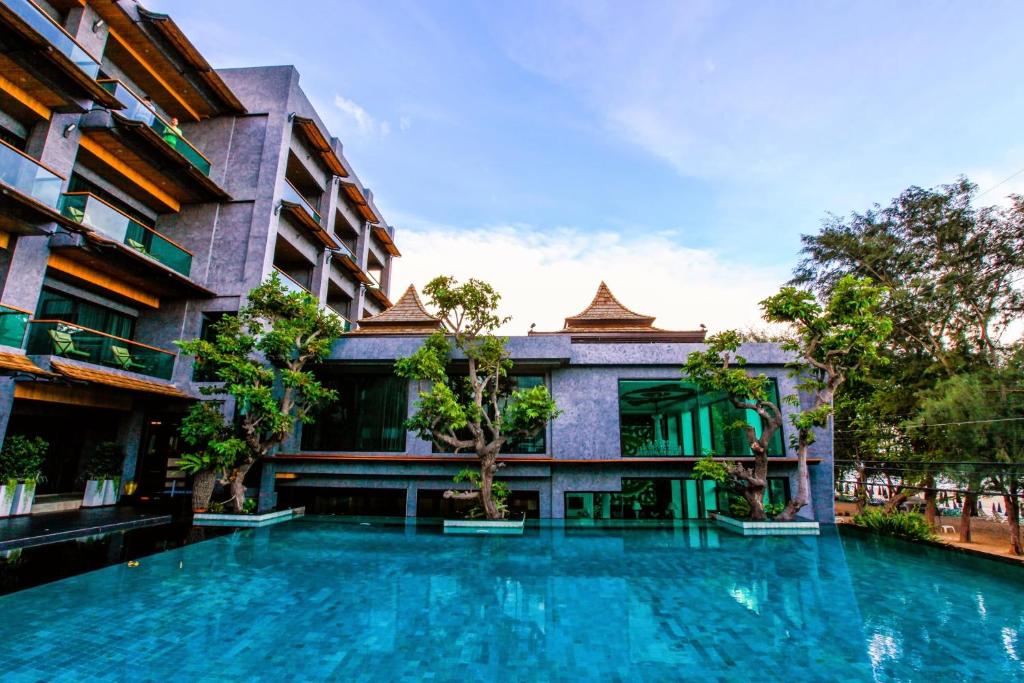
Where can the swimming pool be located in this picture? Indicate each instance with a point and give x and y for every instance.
(316, 599)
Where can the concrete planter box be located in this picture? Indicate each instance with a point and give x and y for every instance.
(6, 499)
(24, 495)
(99, 493)
(502, 527)
(748, 528)
(231, 519)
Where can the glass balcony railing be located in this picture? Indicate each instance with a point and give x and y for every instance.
(290, 194)
(58, 338)
(54, 34)
(93, 212)
(12, 326)
(28, 176)
(136, 109)
(290, 284)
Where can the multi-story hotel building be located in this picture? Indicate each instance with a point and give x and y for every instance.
(142, 194)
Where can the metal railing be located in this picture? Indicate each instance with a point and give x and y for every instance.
(93, 212)
(13, 322)
(55, 35)
(29, 177)
(136, 109)
(59, 338)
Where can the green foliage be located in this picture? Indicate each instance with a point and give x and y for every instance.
(105, 462)
(249, 506)
(261, 357)
(739, 508)
(21, 458)
(773, 509)
(499, 492)
(217, 507)
(908, 525)
(709, 468)
(215, 448)
(720, 368)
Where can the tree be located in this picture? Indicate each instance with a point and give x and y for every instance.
(720, 368)
(833, 341)
(974, 418)
(950, 270)
(214, 450)
(261, 358)
(481, 415)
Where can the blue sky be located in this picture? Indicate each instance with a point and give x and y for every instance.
(666, 147)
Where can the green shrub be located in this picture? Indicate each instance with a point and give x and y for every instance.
(773, 510)
(22, 458)
(739, 508)
(909, 525)
(249, 506)
(105, 462)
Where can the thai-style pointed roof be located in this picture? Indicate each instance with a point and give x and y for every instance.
(606, 312)
(407, 316)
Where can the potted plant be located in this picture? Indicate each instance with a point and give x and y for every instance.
(21, 461)
(102, 472)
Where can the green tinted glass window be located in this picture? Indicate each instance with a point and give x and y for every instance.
(369, 415)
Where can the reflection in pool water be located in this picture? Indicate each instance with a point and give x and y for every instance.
(317, 599)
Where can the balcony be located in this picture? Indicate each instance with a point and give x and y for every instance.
(346, 324)
(135, 109)
(45, 60)
(36, 189)
(92, 212)
(291, 285)
(299, 208)
(68, 340)
(12, 326)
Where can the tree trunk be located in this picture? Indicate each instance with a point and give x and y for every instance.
(754, 495)
(931, 512)
(892, 505)
(970, 505)
(803, 486)
(487, 469)
(1012, 501)
(236, 482)
(202, 490)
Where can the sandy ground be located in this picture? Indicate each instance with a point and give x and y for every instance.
(987, 536)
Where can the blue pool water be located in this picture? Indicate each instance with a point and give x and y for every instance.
(319, 599)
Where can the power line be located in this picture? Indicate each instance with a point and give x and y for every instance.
(934, 424)
(1004, 180)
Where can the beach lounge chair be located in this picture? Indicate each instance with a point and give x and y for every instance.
(123, 359)
(64, 345)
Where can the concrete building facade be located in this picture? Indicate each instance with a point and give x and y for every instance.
(623, 448)
(142, 194)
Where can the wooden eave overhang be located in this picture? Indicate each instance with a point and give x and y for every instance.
(355, 194)
(116, 380)
(378, 294)
(319, 142)
(138, 146)
(202, 70)
(382, 234)
(34, 56)
(18, 363)
(350, 264)
(304, 219)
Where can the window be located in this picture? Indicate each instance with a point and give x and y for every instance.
(661, 499)
(674, 418)
(369, 415)
(54, 305)
(535, 445)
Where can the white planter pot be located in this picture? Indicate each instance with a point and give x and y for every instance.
(6, 499)
(110, 491)
(93, 496)
(24, 495)
(99, 493)
(502, 527)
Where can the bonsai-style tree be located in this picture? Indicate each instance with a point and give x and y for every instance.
(474, 412)
(832, 342)
(261, 357)
(720, 368)
(214, 449)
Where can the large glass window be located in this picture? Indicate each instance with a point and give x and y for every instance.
(535, 445)
(660, 499)
(54, 305)
(674, 418)
(368, 415)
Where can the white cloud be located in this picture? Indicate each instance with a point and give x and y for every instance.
(404, 123)
(546, 275)
(365, 124)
